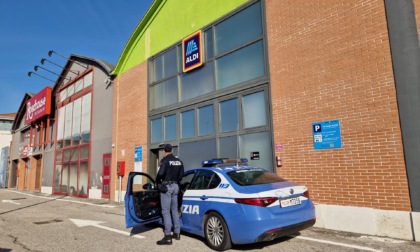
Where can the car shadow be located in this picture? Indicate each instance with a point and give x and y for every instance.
(261, 245)
(144, 228)
(241, 247)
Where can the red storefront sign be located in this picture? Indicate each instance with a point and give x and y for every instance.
(39, 105)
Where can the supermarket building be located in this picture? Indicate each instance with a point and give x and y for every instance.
(324, 93)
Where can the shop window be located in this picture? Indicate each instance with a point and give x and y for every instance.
(73, 179)
(83, 179)
(57, 179)
(170, 128)
(73, 137)
(254, 110)
(60, 124)
(156, 130)
(240, 66)
(65, 178)
(187, 124)
(197, 82)
(68, 124)
(76, 121)
(206, 120)
(229, 116)
(85, 124)
(239, 29)
(164, 93)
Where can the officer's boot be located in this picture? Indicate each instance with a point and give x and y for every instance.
(176, 236)
(167, 240)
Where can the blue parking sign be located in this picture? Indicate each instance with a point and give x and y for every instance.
(326, 135)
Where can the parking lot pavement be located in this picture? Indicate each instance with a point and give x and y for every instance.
(312, 239)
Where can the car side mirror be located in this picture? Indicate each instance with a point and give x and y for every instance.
(148, 186)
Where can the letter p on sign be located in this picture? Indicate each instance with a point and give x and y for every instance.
(317, 128)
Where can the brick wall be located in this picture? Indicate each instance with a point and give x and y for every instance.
(417, 12)
(130, 121)
(331, 60)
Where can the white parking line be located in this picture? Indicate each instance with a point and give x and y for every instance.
(336, 243)
(73, 201)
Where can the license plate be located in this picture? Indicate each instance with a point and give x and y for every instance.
(290, 202)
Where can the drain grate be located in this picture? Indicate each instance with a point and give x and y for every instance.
(47, 222)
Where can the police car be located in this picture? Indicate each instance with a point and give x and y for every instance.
(226, 202)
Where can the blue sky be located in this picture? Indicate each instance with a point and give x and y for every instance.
(29, 29)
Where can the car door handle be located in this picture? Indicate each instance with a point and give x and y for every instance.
(204, 197)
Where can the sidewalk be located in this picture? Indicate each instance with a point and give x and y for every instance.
(101, 202)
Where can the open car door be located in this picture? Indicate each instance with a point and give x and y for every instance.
(142, 200)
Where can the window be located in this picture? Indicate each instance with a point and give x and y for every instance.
(254, 110)
(229, 117)
(242, 27)
(73, 137)
(240, 66)
(85, 124)
(63, 95)
(208, 49)
(88, 80)
(254, 176)
(156, 128)
(187, 124)
(186, 181)
(164, 93)
(194, 152)
(205, 120)
(198, 82)
(205, 179)
(6, 125)
(165, 65)
(70, 90)
(68, 124)
(76, 121)
(78, 86)
(170, 128)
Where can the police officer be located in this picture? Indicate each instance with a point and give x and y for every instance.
(170, 173)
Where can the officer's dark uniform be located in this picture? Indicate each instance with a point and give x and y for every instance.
(170, 173)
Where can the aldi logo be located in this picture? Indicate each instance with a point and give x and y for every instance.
(192, 53)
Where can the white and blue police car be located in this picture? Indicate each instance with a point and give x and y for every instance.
(226, 202)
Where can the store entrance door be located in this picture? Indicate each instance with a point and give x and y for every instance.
(38, 173)
(155, 156)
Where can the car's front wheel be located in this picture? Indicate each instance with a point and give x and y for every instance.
(216, 232)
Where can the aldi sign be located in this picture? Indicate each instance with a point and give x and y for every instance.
(192, 52)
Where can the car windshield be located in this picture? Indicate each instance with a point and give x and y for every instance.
(254, 176)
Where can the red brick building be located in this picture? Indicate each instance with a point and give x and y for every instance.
(272, 72)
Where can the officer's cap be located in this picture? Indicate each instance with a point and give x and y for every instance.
(167, 148)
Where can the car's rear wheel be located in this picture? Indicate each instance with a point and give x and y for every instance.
(216, 232)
